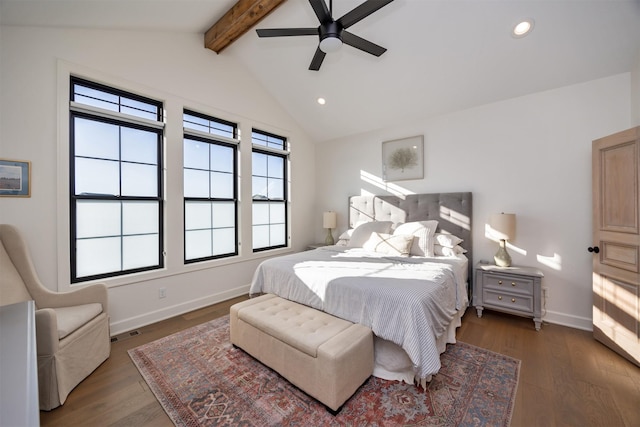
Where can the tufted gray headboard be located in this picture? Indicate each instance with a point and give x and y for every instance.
(453, 211)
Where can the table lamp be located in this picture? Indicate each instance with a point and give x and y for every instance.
(504, 228)
(329, 221)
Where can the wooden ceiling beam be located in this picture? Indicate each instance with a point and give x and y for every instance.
(237, 21)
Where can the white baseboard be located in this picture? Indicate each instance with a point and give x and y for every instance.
(175, 310)
(563, 319)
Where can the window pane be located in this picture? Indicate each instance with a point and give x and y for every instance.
(259, 164)
(97, 177)
(277, 235)
(197, 215)
(224, 241)
(276, 213)
(140, 217)
(221, 158)
(111, 100)
(260, 213)
(139, 146)
(97, 218)
(259, 190)
(224, 214)
(97, 256)
(96, 139)
(260, 236)
(197, 244)
(140, 251)
(96, 98)
(196, 154)
(275, 166)
(196, 183)
(221, 185)
(138, 108)
(139, 180)
(275, 189)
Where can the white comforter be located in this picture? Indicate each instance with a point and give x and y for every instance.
(409, 301)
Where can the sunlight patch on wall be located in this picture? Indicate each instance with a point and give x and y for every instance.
(491, 234)
(389, 187)
(554, 261)
(455, 217)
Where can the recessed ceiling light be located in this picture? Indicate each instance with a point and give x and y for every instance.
(322, 101)
(523, 28)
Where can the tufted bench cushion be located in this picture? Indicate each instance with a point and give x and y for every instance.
(326, 357)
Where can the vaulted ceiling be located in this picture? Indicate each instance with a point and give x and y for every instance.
(443, 55)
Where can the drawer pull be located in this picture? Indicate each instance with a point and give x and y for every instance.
(513, 300)
(500, 298)
(513, 283)
(499, 282)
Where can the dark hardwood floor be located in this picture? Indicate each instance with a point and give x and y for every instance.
(566, 378)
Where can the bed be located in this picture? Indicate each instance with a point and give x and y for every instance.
(402, 269)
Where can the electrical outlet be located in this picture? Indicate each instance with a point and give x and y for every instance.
(545, 291)
(162, 293)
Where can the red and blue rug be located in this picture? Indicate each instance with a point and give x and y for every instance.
(200, 379)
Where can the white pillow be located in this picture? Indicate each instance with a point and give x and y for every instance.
(389, 244)
(362, 232)
(423, 232)
(447, 240)
(446, 251)
(346, 235)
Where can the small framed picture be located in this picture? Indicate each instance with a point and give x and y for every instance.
(403, 159)
(15, 178)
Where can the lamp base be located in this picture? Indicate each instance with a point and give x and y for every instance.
(502, 257)
(329, 240)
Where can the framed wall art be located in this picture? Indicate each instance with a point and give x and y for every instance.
(402, 159)
(15, 178)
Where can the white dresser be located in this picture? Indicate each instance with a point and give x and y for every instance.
(19, 405)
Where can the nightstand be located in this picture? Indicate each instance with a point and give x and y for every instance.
(514, 290)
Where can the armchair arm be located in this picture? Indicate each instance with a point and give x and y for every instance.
(46, 332)
(89, 294)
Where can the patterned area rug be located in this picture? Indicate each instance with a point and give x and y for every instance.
(200, 379)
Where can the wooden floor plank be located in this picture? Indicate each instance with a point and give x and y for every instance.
(566, 379)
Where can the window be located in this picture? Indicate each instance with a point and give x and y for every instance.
(269, 178)
(115, 182)
(210, 187)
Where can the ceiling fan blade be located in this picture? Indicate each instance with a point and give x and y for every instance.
(283, 32)
(316, 62)
(361, 12)
(320, 8)
(362, 44)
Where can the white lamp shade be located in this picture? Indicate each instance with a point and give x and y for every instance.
(503, 226)
(329, 220)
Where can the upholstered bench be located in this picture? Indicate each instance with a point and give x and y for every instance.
(326, 357)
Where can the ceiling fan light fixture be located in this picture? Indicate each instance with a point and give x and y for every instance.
(330, 44)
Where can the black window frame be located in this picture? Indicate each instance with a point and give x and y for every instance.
(134, 124)
(213, 139)
(284, 154)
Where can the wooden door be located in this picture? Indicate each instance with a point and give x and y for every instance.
(616, 240)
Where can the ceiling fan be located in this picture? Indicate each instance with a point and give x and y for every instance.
(333, 33)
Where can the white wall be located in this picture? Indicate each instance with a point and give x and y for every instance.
(173, 67)
(530, 156)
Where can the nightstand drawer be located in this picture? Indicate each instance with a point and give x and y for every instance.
(508, 283)
(508, 300)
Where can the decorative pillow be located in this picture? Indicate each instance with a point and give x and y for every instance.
(362, 232)
(389, 244)
(446, 251)
(423, 232)
(346, 235)
(447, 240)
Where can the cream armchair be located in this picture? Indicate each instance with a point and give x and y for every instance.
(72, 328)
